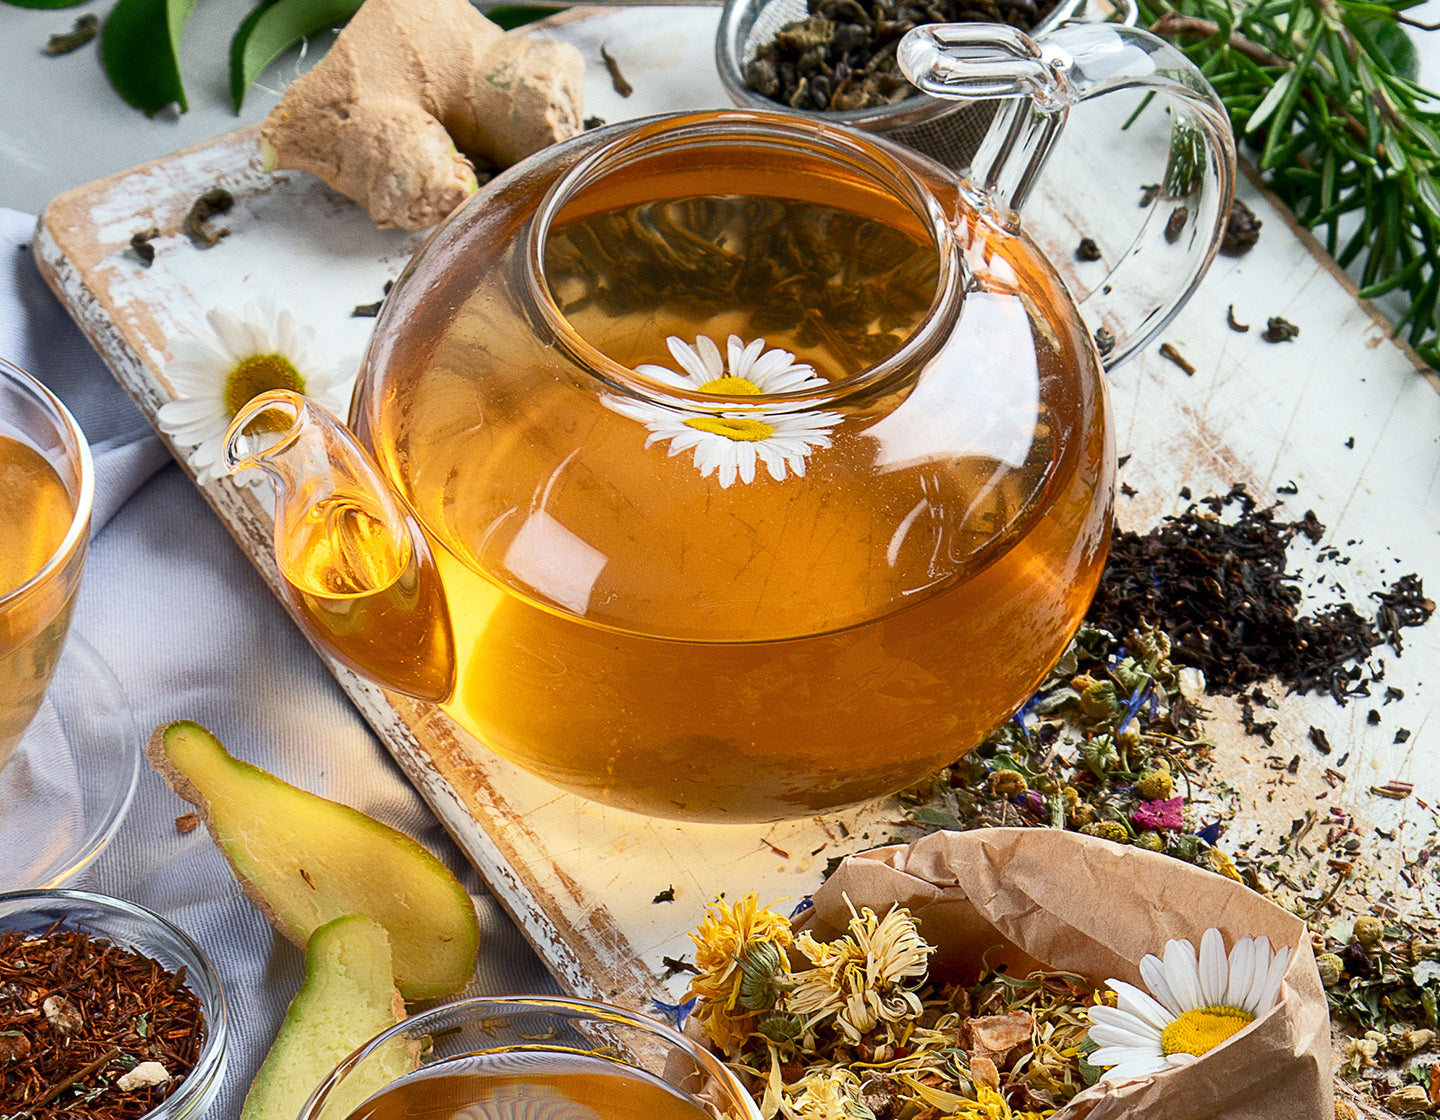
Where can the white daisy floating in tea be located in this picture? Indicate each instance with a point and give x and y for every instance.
(1192, 1007)
(217, 372)
(730, 443)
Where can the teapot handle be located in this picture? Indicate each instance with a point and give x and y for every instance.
(1037, 81)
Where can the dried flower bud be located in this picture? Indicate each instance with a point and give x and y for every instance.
(1150, 841)
(1331, 967)
(1345, 1111)
(1007, 783)
(1369, 930)
(1155, 785)
(1083, 814)
(60, 1013)
(1407, 1099)
(1107, 830)
(1101, 701)
(1407, 1042)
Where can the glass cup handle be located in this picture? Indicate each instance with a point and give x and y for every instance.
(1037, 81)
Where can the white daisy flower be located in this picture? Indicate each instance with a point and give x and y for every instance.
(1193, 1006)
(729, 444)
(214, 373)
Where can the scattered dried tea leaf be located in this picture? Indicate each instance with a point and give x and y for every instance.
(217, 200)
(1168, 352)
(1087, 250)
(1242, 230)
(1233, 324)
(85, 29)
(1104, 340)
(617, 79)
(1149, 192)
(1279, 330)
(187, 822)
(140, 245)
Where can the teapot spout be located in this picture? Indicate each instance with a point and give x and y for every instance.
(355, 566)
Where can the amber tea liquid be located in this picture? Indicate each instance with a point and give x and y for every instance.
(553, 1085)
(640, 634)
(36, 512)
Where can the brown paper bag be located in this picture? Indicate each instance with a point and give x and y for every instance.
(1060, 900)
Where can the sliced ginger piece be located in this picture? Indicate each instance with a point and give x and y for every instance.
(348, 997)
(304, 860)
(409, 94)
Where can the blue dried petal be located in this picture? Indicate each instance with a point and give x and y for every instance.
(677, 1012)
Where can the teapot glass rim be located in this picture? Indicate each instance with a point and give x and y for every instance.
(887, 164)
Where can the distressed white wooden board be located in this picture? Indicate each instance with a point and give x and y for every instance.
(580, 878)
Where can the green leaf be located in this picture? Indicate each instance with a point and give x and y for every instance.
(140, 46)
(271, 29)
(44, 3)
(1394, 44)
(518, 16)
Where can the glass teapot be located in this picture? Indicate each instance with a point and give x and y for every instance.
(732, 466)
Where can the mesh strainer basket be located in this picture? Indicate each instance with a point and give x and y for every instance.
(947, 131)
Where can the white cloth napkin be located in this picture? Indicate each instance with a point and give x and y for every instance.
(192, 632)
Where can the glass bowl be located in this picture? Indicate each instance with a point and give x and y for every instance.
(948, 131)
(132, 927)
(68, 787)
(533, 1056)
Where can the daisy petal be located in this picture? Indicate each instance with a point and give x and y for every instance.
(1183, 974)
(1214, 967)
(1242, 972)
(1270, 993)
(1152, 971)
(1106, 1035)
(1141, 1005)
(1259, 975)
(1113, 1019)
(1136, 1067)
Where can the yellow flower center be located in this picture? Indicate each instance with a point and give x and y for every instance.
(1200, 1030)
(731, 387)
(733, 427)
(252, 376)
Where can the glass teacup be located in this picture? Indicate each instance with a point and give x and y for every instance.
(47, 485)
(530, 1056)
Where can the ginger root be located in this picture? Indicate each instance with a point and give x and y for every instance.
(409, 94)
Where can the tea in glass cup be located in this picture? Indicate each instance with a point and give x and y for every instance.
(531, 1056)
(47, 484)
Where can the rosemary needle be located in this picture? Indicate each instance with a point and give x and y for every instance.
(1323, 96)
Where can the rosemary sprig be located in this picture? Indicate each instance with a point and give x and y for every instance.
(1323, 96)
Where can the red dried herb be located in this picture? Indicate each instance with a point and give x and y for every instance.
(76, 1014)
